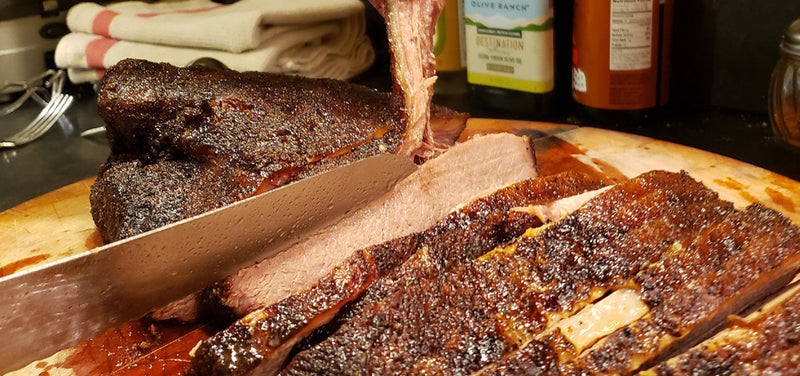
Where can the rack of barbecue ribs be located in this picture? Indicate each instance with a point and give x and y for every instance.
(561, 274)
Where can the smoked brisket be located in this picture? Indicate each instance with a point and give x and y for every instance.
(471, 316)
(263, 338)
(187, 140)
(661, 249)
(414, 204)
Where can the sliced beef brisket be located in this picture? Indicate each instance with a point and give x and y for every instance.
(263, 338)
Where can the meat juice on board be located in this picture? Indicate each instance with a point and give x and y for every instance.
(620, 57)
(510, 54)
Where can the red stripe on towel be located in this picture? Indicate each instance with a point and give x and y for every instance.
(96, 51)
(181, 11)
(102, 22)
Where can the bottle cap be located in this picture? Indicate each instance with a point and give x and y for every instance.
(791, 39)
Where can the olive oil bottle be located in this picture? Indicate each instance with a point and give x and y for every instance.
(510, 55)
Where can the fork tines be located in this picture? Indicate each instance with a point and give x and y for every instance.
(56, 107)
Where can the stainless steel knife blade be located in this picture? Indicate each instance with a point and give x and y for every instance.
(57, 305)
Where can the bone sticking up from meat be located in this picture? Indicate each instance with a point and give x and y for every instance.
(410, 25)
(765, 342)
(414, 204)
(471, 316)
(462, 235)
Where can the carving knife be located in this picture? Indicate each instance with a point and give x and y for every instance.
(57, 305)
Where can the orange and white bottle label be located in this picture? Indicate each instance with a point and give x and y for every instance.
(616, 59)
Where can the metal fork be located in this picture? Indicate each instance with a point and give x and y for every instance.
(56, 107)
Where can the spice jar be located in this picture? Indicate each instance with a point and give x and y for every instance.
(784, 89)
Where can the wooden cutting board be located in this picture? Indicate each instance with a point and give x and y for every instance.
(58, 224)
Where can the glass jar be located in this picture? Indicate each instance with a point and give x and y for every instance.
(784, 90)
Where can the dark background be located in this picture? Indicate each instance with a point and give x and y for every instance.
(723, 51)
(723, 54)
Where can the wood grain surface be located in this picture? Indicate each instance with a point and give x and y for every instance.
(58, 224)
(50, 227)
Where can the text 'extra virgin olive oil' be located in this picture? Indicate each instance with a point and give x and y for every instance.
(620, 57)
(510, 55)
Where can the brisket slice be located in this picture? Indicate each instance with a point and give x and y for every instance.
(263, 338)
(766, 342)
(413, 204)
(464, 319)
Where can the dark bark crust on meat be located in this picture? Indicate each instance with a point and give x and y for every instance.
(690, 287)
(687, 290)
(460, 321)
(447, 307)
(768, 344)
(187, 140)
(464, 234)
(537, 358)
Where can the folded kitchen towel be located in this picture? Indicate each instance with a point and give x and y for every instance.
(202, 23)
(336, 49)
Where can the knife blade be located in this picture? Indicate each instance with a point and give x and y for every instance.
(57, 305)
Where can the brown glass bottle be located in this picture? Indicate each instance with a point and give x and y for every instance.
(620, 58)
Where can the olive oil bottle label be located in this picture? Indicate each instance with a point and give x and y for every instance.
(510, 44)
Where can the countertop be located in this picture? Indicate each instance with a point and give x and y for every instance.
(62, 156)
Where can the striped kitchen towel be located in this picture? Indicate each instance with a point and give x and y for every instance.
(336, 49)
(202, 23)
(304, 37)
